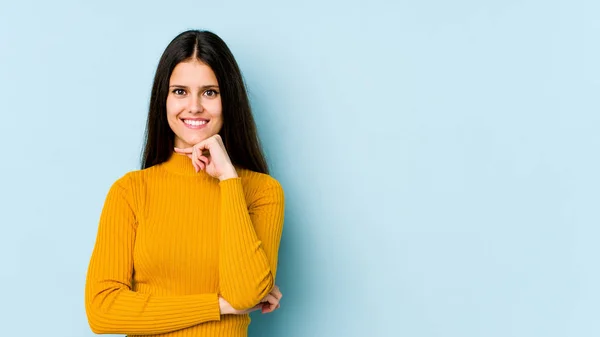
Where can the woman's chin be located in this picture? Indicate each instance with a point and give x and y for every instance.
(190, 141)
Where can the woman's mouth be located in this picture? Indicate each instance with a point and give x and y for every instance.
(195, 123)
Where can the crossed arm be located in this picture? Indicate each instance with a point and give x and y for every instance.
(250, 236)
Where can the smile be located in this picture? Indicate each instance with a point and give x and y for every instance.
(195, 123)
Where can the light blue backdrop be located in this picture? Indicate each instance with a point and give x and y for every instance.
(440, 158)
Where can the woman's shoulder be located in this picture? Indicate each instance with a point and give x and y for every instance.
(133, 179)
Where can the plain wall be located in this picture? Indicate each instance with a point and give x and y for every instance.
(439, 158)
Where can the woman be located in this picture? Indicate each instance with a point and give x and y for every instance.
(187, 246)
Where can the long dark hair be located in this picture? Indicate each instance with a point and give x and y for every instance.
(238, 132)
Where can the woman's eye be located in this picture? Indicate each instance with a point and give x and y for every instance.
(179, 92)
(211, 93)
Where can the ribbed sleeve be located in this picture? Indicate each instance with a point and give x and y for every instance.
(250, 237)
(172, 240)
(111, 305)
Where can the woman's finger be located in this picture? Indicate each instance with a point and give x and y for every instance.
(202, 153)
(199, 163)
(186, 150)
(269, 298)
(204, 159)
(277, 293)
(194, 162)
(267, 307)
(203, 146)
(273, 301)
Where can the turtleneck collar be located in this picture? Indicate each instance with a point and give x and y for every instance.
(182, 165)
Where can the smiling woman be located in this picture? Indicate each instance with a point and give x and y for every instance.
(188, 244)
(193, 92)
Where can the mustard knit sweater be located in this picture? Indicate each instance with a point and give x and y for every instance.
(171, 240)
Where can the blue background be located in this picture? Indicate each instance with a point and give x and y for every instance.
(440, 158)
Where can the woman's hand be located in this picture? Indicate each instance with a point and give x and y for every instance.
(268, 304)
(271, 302)
(210, 155)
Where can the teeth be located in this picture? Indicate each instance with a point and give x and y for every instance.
(195, 123)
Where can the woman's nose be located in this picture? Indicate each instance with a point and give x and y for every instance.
(195, 104)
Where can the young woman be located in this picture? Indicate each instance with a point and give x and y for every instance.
(188, 244)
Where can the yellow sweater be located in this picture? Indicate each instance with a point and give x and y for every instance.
(171, 240)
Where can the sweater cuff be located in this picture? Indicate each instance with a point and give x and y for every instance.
(211, 312)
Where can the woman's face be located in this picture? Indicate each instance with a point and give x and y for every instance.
(193, 103)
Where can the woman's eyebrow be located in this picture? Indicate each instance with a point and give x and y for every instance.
(202, 87)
